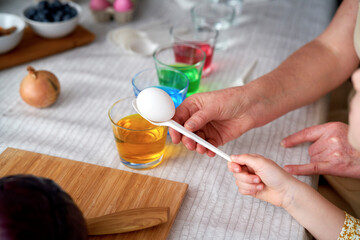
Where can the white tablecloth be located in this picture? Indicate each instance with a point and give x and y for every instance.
(94, 76)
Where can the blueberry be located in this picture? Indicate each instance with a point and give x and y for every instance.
(53, 11)
(73, 12)
(45, 11)
(49, 17)
(30, 12)
(36, 18)
(56, 4)
(57, 16)
(66, 17)
(43, 5)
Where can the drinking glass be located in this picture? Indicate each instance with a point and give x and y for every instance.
(218, 16)
(236, 4)
(203, 37)
(186, 58)
(172, 81)
(140, 144)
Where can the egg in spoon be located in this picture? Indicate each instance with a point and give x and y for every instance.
(157, 107)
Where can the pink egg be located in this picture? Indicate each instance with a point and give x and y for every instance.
(123, 5)
(99, 5)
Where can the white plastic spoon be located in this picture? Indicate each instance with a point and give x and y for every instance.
(243, 78)
(142, 46)
(157, 107)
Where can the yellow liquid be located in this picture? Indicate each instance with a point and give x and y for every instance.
(138, 141)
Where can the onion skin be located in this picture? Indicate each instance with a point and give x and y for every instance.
(39, 88)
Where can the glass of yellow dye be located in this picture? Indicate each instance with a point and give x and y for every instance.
(140, 144)
(186, 58)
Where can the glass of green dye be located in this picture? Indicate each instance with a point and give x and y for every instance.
(172, 81)
(186, 58)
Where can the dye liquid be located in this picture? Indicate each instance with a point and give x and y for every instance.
(138, 141)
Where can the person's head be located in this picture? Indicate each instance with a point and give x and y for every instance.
(354, 116)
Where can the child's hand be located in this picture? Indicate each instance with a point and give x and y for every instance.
(262, 178)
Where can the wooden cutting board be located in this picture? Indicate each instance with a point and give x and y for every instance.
(33, 47)
(101, 190)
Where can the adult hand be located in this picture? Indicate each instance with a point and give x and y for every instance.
(262, 178)
(217, 117)
(330, 153)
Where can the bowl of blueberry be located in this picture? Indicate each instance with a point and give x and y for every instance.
(52, 19)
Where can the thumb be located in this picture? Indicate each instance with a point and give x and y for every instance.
(199, 119)
(253, 161)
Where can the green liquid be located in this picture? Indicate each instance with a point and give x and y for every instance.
(192, 73)
(170, 78)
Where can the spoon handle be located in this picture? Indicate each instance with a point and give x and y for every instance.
(198, 139)
(127, 220)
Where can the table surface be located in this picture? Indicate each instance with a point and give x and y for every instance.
(94, 76)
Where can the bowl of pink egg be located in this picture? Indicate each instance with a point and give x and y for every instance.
(121, 11)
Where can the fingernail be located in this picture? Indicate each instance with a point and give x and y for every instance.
(259, 187)
(237, 169)
(256, 180)
(282, 143)
(190, 125)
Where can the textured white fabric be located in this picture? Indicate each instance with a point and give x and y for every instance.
(94, 76)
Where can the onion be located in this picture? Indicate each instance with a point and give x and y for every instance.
(39, 88)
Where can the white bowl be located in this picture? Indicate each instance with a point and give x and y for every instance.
(10, 41)
(54, 29)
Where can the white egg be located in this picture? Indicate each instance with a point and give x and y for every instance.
(155, 104)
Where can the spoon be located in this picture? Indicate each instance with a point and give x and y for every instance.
(142, 46)
(243, 78)
(132, 42)
(127, 220)
(157, 107)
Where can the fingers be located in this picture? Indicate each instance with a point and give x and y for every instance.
(248, 184)
(186, 110)
(249, 189)
(234, 167)
(320, 148)
(193, 114)
(175, 136)
(182, 114)
(192, 117)
(191, 144)
(356, 80)
(315, 168)
(251, 160)
(208, 152)
(199, 148)
(199, 119)
(310, 134)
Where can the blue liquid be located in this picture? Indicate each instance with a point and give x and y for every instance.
(174, 93)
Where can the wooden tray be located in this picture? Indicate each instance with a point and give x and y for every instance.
(100, 190)
(34, 47)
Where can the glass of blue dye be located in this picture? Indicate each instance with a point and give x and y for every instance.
(172, 81)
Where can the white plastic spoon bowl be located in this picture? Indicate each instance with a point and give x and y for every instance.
(147, 97)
